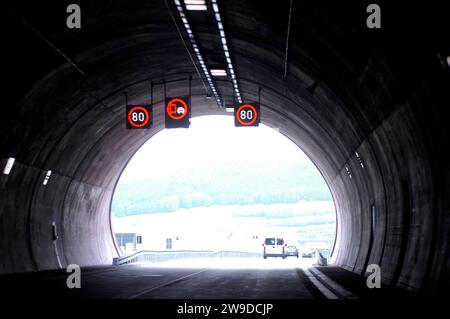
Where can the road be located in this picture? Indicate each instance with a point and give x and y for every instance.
(218, 278)
(291, 286)
(214, 278)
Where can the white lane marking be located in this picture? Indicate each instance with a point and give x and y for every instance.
(337, 288)
(164, 284)
(324, 290)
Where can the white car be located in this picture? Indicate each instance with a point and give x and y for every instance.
(274, 247)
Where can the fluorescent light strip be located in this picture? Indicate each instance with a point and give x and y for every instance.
(194, 44)
(225, 49)
(359, 159)
(47, 177)
(195, 7)
(9, 165)
(194, 2)
(216, 72)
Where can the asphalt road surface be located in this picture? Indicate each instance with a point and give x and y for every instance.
(226, 278)
(215, 278)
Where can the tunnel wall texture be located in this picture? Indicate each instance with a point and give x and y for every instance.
(375, 126)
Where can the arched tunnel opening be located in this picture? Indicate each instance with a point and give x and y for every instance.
(214, 194)
(367, 105)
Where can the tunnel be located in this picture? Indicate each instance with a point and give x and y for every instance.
(367, 105)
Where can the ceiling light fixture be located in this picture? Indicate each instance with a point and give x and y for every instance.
(195, 5)
(218, 72)
(47, 177)
(9, 165)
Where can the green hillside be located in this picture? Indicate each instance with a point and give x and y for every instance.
(238, 183)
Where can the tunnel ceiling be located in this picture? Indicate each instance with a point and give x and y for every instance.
(368, 106)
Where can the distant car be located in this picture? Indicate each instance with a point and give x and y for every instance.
(291, 251)
(308, 255)
(274, 247)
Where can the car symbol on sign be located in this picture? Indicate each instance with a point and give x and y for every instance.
(181, 110)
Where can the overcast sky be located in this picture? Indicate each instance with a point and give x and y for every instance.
(209, 138)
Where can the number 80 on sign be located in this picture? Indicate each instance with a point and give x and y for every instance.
(247, 114)
(139, 116)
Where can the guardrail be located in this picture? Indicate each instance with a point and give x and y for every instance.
(159, 256)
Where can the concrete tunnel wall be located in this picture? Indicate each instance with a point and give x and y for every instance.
(369, 101)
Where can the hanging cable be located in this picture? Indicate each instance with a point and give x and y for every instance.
(287, 40)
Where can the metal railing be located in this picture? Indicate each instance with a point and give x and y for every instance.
(160, 256)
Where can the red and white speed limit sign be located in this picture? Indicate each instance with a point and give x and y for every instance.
(139, 116)
(247, 114)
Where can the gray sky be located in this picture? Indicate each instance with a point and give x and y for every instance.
(209, 138)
